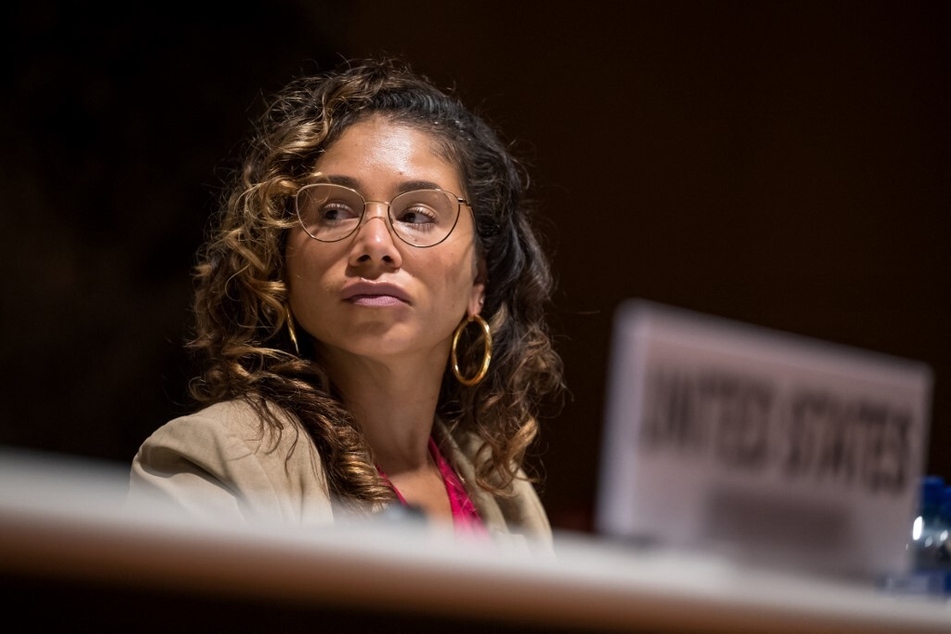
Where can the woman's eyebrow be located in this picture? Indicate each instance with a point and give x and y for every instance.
(354, 183)
(346, 181)
(408, 186)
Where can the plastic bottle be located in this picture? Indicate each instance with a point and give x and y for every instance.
(930, 544)
(941, 548)
(929, 537)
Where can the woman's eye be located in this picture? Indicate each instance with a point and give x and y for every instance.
(335, 212)
(419, 214)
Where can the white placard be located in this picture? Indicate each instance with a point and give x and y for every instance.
(763, 445)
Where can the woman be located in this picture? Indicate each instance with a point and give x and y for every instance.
(370, 315)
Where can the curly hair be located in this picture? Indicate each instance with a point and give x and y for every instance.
(241, 293)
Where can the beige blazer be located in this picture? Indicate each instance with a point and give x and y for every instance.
(222, 462)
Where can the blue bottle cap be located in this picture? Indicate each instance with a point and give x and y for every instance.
(932, 490)
(945, 509)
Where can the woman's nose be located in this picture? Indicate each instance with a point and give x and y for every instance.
(374, 241)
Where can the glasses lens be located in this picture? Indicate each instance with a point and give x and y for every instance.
(329, 212)
(424, 217)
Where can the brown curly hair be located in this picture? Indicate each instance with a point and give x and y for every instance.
(241, 334)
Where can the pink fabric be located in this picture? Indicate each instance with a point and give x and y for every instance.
(465, 516)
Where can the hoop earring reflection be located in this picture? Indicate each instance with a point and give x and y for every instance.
(487, 351)
(291, 329)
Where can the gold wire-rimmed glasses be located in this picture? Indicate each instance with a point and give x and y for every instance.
(422, 218)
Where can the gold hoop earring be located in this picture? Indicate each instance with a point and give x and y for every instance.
(487, 351)
(290, 328)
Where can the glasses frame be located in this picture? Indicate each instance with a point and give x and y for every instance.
(389, 215)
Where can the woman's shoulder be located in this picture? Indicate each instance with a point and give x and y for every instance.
(230, 433)
(237, 413)
(226, 452)
(237, 419)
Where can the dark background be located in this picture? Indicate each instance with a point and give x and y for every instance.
(780, 163)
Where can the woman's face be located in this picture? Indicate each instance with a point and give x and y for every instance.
(372, 295)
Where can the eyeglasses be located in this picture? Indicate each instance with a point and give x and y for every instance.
(421, 218)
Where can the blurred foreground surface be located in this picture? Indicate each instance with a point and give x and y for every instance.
(71, 553)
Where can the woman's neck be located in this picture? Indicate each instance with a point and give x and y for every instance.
(394, 405)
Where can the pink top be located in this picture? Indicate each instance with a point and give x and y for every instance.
(465, 516)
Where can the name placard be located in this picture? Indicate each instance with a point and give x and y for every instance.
(759, 444)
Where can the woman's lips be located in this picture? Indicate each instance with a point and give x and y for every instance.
(374, 294)
(375, 300)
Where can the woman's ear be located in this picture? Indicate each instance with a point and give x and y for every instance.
(477, 296)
